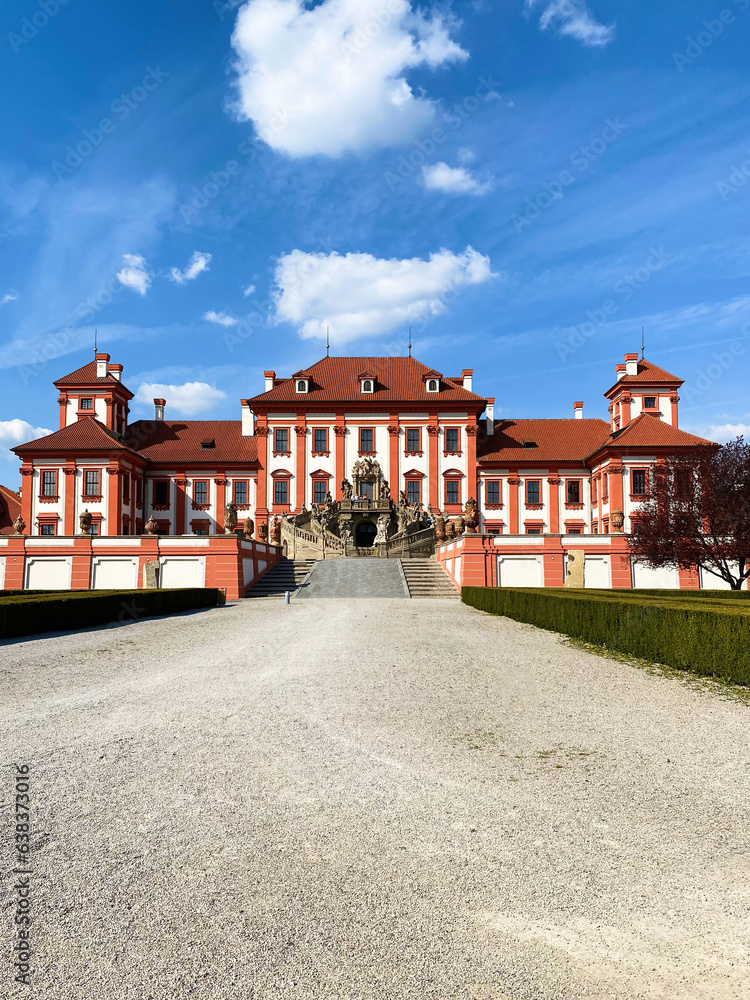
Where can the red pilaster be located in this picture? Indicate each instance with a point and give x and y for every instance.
(513, 482)
(554, 502)
(554, 575)
(394, 472)
(615, 490)
(689, 579)
(69, 484)
(80, 577)
(15, 563)
(339, 432)
(62, 399)
(261, 430)
(27, 494)
(471, 448)
(622, 577)
(301, 434)
(114, 501)
(221, 501)
(180, 483)
(625, 402)
(674, 400)
(432, 463)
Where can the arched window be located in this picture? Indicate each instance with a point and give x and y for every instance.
(432, 385)
(367, 386)
(301, 386)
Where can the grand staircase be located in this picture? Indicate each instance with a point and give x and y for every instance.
(426, 578)
(287, 574)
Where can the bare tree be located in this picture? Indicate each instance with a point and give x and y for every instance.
(697, 513)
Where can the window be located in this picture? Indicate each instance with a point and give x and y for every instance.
(125, 488)
(649, 402)
(574, 531)
(594, 489)
(50, 528)
(320, 488)
(532, 491)
(200, 491)
(281, 492)
(366, 438)
(87, 404)
(639, 483)
(95, 528)
(452, 494)
(432, 385)
(451, 440)
(91, 483)
(301, 385)
(49, 484)
(605, 487)
(414, 491)
(367, 385)
(413, 440)
(240, 491)
(281, 441)
(493, 531)
(161, 493)
(139, 492)
(533, 531)
(493, 493)
(320, 440)
(200, 531)
(574, 491)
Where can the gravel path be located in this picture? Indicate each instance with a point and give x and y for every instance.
(372, 800)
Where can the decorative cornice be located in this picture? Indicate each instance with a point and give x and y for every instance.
(92, 497)
(616, 470)
(472, 430)
(48, 499)
(300, 431)
(574, 506)
(221, 481)
(160, 506)
(180, 482)
(674, 398)
(69, 472)
(394, 430)
(534, 506)
(513, 481)
(112, 472)
(433, 430)
(554, 481)
(339, 431)
(282, 454)
(262, 431)
(201, 506)
(27, 472)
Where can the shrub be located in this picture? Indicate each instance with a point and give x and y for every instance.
(709, 637)
(27, 613)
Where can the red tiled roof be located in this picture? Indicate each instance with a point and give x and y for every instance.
(554, 441)
(87, 434)
(398, 380)
(10, 508)
(179, 441)
(86, 376)
(651, 432)
(648, 374)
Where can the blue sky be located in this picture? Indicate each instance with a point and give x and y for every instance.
(211, 185)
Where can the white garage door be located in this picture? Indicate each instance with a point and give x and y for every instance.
(114, 574)
(177, 572)
(48, 573)
(519, 571)
(596, 573)
(650, 578)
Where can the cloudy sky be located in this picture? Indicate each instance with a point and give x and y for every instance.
(526, 183)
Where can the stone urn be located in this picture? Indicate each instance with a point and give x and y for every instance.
(450, 530)
(617, 520)
(19, 525)
(460, 525)
(472, 516)
(150, 527)
(439, 528)
(248, 527)
(276, 531)
(230, 519)
(262, 532)
(84, 520)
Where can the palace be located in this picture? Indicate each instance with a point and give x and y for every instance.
(361, 438)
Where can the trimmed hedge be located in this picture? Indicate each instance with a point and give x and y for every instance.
(710, 638)
(30, 613)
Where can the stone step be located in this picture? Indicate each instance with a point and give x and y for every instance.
(286, 575)
(426, 578)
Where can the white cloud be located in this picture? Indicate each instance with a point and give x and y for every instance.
(453, 180)
(728, 432)
(10, 297)
(221, 318)
(134, 274)
(13, 432)
(573, 18)
(359, 295)
(330, 79)
(196, 265)
(189, 399)
(249, 290)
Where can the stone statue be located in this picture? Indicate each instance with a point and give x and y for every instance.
(402, 498)
(19, 525)
(439, 522)
(84, 520)
(328, 499)
(346, 489)
(248, 527)
(263, 532)
(385, 491)
(472, 516)
(150, 527)
(230, 519)
(276, 531)
(383, 524)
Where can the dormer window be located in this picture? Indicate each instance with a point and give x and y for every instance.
(433, 385)
(207, 443)
(301, 385)
(367, 385)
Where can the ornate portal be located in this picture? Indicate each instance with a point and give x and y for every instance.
(368, 479)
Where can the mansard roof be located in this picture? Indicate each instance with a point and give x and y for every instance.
(86, 376)
(179, 441)
(87, 434)
(648, 374)
(397, 380)
(648, 431)
(520, 442)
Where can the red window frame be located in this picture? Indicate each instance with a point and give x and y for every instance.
(281, 476)
(54, 495)
(493, 504)
(126, 487)
(286, 452)
(408, 450)
(319, 486)
(362, 450)
(84, 482)
(446, 449)
(241, 504)
(324, 450)
(201, 504)
(540, 496)
(139, 492)
(415, 486)
(573, 503)
(154, 504)
(200, 526)
(47, 521)
(639, 497)
(605, 487)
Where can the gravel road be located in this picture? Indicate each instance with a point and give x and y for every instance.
(372, 801)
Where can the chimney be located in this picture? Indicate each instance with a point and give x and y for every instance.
(248, 420)
(621, 371)
(467, 375)
(159, 404)
(578, 410)
(631, 364)
(102, 361)
(115, 371)
(269, 376)
(489, 417)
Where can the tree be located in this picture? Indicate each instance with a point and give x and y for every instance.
(697, 513)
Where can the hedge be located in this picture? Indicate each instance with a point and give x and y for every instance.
(59, 611)
(710, 638)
